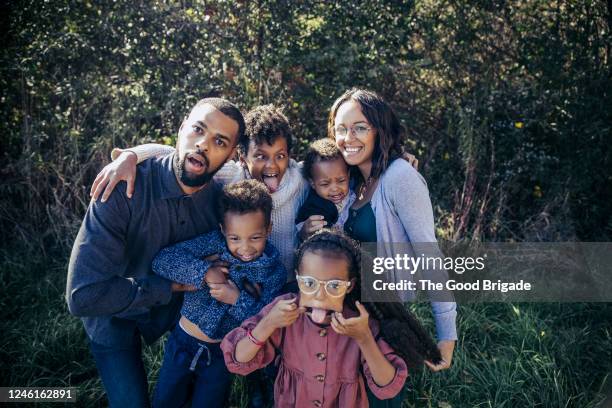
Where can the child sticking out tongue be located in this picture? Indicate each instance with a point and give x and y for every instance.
(317, 268)
(271, 181)
(318, 315)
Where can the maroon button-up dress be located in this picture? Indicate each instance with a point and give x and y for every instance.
(318, 367)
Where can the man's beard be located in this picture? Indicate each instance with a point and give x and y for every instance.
(190, 179)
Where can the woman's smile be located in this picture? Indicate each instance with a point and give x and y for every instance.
(352, 150)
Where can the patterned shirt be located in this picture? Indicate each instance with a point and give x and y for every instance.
(185, 263)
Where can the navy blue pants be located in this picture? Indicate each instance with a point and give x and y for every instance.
(192, 370)
(122, 373)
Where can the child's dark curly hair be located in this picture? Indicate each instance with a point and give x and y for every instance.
(244, 197)
(334, 243)
(265, 123)
(398, 326)
(320, 150)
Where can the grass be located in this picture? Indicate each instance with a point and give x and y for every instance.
(508, 355)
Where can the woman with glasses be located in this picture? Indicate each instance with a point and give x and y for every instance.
(329, 344)
(392, 204)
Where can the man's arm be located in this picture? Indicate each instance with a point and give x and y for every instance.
(98, 282)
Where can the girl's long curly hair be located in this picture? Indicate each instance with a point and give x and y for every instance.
(398, 326)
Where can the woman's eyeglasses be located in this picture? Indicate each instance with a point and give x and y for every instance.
(334, 288)
(358, 130)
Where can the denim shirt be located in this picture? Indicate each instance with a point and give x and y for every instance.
(185, 263)
(110, 283)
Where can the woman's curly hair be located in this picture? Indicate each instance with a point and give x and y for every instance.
(398, 326)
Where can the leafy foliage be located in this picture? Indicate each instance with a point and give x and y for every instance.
(507, 105)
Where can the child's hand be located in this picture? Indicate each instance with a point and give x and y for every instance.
(225, 292)
(313, 224)
(122, 169)
(411, 159)
(283, 314)
(217, 273)
(181, 287)
(355, 327)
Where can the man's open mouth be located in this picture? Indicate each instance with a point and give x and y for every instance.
(197, 162)
(271, 180)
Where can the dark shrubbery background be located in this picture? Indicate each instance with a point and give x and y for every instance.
(507, 104)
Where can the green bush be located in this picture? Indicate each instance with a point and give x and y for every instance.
(507, 104)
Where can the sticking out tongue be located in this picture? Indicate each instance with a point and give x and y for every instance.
(271, 183)
(318, 315)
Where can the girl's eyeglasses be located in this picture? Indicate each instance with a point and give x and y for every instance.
(334, 288)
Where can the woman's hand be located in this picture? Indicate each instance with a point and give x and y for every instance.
(122, 169)
(446, 348)
(355, 327)
(284, 313)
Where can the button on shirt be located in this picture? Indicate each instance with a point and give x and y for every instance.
(110, 283)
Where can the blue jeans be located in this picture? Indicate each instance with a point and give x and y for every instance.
(122, 373)
(192, 370)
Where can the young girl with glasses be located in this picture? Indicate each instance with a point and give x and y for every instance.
(326, 342)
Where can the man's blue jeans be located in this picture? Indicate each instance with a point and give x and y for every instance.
(192, 369)
(122, 373)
